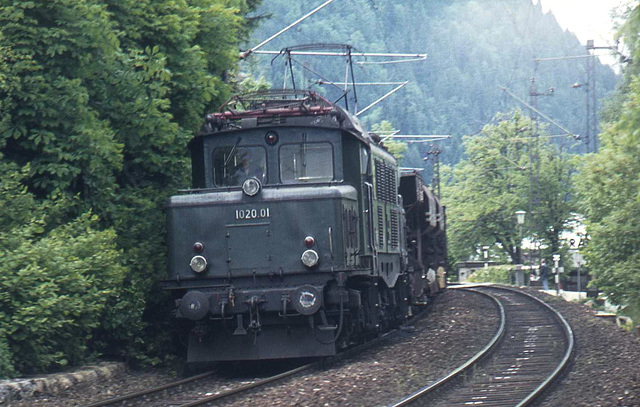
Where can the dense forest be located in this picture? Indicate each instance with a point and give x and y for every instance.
(473, 47)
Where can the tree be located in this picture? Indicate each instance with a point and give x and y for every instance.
(609, 188)
(395, 147)
(99, 99)
(486, 189)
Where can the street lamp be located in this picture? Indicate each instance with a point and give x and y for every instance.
(520, 220)
(519, 271)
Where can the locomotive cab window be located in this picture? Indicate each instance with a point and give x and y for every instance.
(306, 162)
(232, 165)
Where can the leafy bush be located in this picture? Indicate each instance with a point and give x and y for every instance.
(493, 274)
(55, 280)
(53, 292)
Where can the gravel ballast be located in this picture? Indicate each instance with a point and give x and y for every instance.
(605, 371)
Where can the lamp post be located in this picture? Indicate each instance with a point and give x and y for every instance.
(519, 272)
(578, 259)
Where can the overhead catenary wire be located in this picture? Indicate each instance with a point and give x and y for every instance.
(416, 57)
(415, 138)
(322, 82)
(397, 88)
(566, 58)
(287, 28)
(508, 92)
(347, 51)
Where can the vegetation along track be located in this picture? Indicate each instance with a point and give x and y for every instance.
(529, 350)
(210, 387)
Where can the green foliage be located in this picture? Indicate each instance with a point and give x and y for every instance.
(484, 191)
(55, 285)
(395, 147)
(71, 275)
(609, 187)
(99, 99)
(493, 274)
(609, 190)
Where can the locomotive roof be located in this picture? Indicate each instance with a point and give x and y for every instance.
(283, 108)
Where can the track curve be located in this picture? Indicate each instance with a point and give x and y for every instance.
(536, 345)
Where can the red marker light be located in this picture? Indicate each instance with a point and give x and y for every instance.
(271, 138)
(309, 241)
(198, 247)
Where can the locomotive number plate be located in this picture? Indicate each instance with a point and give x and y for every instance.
(253, 213)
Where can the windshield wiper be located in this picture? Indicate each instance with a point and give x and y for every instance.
(233, 150)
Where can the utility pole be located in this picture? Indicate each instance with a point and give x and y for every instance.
(591, 130)
(591, 91)
(534, 156)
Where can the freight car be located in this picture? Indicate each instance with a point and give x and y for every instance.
(300, 236)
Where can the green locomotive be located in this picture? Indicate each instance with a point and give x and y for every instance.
(299, 236)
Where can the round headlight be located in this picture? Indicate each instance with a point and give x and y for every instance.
(198, 264)
(251, 186)
(310, 258)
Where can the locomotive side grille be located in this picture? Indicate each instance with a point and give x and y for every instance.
(379, 177)
(394, 229)
(393, 187)
(380, 227)
(385, 182)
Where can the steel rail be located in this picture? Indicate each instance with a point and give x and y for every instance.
(134, 395)
(249, 386)
(466, 365)
(323, 362)
(562, 326)
(128, 398)
(568, 332)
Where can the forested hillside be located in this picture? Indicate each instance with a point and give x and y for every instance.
(473, 47)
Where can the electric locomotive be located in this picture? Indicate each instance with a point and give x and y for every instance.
(294, 240)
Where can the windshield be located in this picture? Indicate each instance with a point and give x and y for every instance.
(307, 162)
(232, 165)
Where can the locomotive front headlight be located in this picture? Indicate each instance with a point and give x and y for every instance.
(198, 264)
(310, 258)
(251, 186)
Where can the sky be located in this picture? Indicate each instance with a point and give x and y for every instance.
(588, 19)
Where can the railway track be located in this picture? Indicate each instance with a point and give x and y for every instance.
(530, 348)
(196, 390)
(190, 392)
